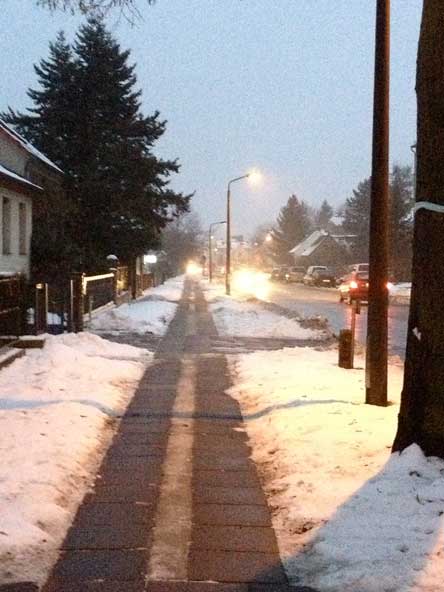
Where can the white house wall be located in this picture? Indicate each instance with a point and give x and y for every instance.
(14, 262)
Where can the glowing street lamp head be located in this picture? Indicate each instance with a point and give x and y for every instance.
(254, 177)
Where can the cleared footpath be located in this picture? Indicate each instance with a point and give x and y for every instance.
(177, 503)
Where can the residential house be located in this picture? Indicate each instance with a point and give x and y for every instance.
(26, 177)
(321, 248)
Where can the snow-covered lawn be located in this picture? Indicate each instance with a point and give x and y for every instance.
(151, 314)
(350, 517)
(56, 410)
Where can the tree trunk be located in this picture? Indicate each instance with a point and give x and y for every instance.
(421, 417)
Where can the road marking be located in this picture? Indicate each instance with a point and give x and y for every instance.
(172, 531)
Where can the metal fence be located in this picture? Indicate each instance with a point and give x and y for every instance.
(12, 306)
(55, 308)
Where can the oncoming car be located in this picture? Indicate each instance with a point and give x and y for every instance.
(279, 274)
(295, 274)
(354, 286)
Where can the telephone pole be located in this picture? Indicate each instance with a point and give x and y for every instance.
(376, 354)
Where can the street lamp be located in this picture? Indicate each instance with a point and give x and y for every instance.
(210, 249)
(253, 176)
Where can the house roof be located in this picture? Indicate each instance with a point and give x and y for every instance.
(27, 146)
(309, 244)
(4, 172)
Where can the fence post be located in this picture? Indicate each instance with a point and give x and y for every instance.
(22, 313)
(133, 278)
(90, 306)
(46, 307)
(115, 272)
(37, 309)
(77, 301)
(70, 326)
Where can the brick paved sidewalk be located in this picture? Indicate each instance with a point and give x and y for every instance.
(177, 503)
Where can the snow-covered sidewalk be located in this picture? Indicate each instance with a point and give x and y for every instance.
(57, 416)
(349, 516)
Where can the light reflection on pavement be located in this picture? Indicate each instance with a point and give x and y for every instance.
(310, 301)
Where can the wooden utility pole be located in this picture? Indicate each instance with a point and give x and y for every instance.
(376, 357)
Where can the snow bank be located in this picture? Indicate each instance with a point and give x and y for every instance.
(242, 314)
(151, 314)
(144, 316)
(56, 406)
(249, 319)
(170, 290)
(349, 516)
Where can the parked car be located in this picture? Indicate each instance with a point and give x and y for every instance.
(358, 267)
(319, 275)
(295, 274)
(354, 286)
(279, 274)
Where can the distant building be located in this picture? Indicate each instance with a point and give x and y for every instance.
(321, 248)
(26, 175)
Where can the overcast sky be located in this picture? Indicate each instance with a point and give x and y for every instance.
(282, 85)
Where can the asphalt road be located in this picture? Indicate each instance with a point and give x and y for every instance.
(310, 301)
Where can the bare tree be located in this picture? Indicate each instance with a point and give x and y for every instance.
(128, 7)
(421, 417)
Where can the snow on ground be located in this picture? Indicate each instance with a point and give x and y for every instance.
(249, 319)
(242, 315)
(150, 314)
(350, 517)
(170, 290)
(56, 411)
(400, 293)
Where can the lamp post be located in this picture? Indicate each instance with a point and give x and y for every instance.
(228, 256)
(376, 354)
(210, 249)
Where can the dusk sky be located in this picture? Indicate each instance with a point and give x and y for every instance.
(281, 85)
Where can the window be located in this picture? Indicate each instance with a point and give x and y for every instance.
(22, 229)
(6, 226)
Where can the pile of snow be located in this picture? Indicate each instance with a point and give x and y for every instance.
(143, 316)
(56, 408)
(349, 515)
(171, 290)
(249, 319)
(151, 314)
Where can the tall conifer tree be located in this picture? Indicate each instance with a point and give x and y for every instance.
(86, 117)
(293, 225)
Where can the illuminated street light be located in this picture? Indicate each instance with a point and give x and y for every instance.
(255, 178)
